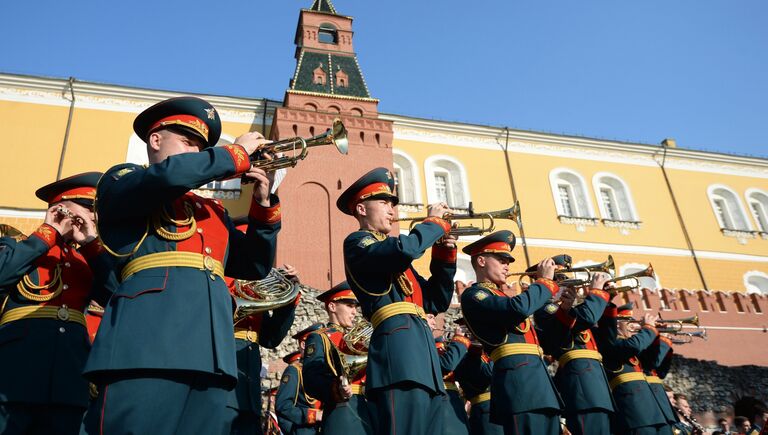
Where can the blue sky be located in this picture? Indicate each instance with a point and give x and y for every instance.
(693, 70)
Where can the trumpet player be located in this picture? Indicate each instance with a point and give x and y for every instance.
(451, 354)
(580, 379)
(656, 361)
(403, 378)
(339, 386)
(46, 282)
(298, 413)
(523, 397)
(637, 411)
(167, 356)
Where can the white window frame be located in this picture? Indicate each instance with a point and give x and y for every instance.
(555, 180)
(432, 165)
(751, 196)
(751, 288)
(731, 211)
(628, 268)
(414, 172)
(599, 183)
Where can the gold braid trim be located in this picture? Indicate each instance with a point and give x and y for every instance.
(26, 283)
(158, 219)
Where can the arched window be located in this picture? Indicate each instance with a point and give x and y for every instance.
(614, 198)
(446, 181)
(406, 178)
(328, 34)
(756, 282)
(728, 208)
(757, 201)
(652, 283)
(570, 194)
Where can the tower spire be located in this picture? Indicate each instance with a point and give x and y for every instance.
(323, 6)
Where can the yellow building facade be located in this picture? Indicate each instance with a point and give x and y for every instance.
(587, 197)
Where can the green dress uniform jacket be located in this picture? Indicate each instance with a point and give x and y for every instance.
(656, 360)
(168, 317)
(636, 405)
(474, 374)
(296, 411)
(378, 268)
(521, 383)
(451, 354)
(43, 358)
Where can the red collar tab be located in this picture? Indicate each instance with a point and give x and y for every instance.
(192, 122)
(87, 192)
(493, 247)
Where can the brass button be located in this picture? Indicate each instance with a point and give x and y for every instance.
(200, 230)
(208, 250)
(67, 264)
(197, 204)
(65, 286)
(62, 330)
(213, 277)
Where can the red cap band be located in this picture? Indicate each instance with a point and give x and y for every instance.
(341, 294)
(367, 192)
(87, 192)
(495, 247)
(189, 121)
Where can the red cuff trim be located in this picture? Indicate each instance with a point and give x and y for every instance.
(612, 312)
(92, 248)
(311, 416)
(565, 318)
(267, 215)
(665, 340)
(549, 284)
(48, 234)
(298, 299)
(440, 221)
(652, 328)
(463, 340)
(602, 294)
(444, 254)
(240, 157)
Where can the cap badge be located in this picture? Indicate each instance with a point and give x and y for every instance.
(211, 113)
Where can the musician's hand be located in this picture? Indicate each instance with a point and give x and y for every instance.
(84, 230)
(650, 319)
(261, 188)
(319, 415)
(567, 297)
(251, 141)
(448, 241)
(342, 391)
(291, 272)
(459, 332)
(598, 280)
(460, 287)
(546, 268)
(438, 210)
(60, 222)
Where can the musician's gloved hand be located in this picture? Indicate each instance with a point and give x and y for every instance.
(599, 280)
(546, 269)
(251, 141)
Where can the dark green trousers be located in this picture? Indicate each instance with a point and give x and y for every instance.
(347, 418)
(43, 419)
(532, 423)
(589, 422)
(480, 420)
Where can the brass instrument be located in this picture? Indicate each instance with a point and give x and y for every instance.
(512, 213)
(356, 342)
(684, 337)
(647, 272)
(607, 267)
(9, 231)
(299, 147)
(670, 326)
(257, 296)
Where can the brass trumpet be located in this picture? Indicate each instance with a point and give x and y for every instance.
(647, 272)
(65, 212)
(512, 213)
(607, 267)
(668, 326)
(687, 337)
(299, 147)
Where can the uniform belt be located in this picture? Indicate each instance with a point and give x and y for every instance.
(247, 334)
(576, 354)
(515, 349)
(654, 380)
(626, 377)
(395, 309)
(174, 259)
(357, 389)
(43, 312)
(480, 398)
(451, 386)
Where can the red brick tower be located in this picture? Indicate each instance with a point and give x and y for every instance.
(327, 83)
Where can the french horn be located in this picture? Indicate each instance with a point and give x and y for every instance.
(257, 296)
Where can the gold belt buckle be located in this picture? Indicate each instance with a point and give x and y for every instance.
(208, 263)
(251, 336)
(62, 313)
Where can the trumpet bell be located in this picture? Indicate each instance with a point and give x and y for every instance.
(299, 148)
